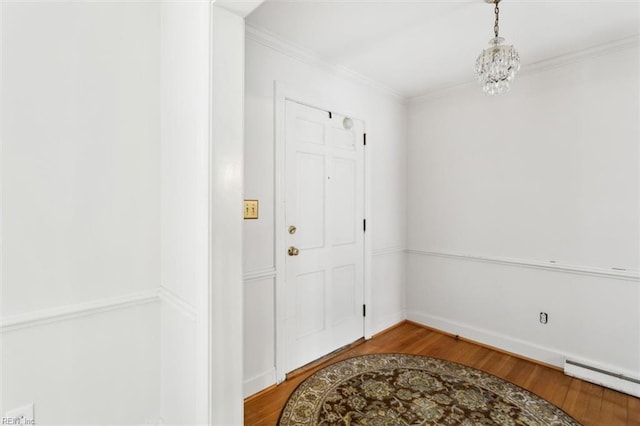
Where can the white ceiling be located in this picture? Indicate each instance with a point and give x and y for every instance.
(240, 7)
(415, 47)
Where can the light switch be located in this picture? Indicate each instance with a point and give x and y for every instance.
(250, 209)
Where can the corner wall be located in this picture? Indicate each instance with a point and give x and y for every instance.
(529, 202)
(385, 119)
(121, 289)
(202, 144)
(184, 44)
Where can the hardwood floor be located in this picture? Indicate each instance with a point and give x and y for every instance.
(589, 404)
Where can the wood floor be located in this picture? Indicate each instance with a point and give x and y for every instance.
(589, 404)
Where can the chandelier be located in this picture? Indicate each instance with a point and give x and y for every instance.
(497, 65)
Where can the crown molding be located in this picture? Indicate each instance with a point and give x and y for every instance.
(579, 55)
(536, 67)
(277, 43)
(242, 8)
(273, 41)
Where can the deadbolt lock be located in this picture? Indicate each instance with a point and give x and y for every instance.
(293, 251)
(292, 229)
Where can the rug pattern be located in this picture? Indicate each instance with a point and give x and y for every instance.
(400, 389)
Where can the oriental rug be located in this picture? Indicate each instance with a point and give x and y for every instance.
(400, 389)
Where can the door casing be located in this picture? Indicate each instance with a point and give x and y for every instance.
(282, 94)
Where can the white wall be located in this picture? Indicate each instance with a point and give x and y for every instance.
(202, 143)
(80, 218)
(184, 231)
(524, 203)
(267, 61)
(226, 188)
(122, 126)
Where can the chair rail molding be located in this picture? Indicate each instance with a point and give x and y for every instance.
(185, 308)
(389, 250)
(620, 274)
(67, 312)
(260, 274)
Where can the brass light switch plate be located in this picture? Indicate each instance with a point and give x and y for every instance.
(250, 209)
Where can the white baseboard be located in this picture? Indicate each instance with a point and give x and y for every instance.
(535, 352)
(259, 382)
(490, 338)
(603, 376)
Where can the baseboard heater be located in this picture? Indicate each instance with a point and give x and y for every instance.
(599, 376)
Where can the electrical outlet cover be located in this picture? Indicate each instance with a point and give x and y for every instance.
(544, 317)
(20, 416)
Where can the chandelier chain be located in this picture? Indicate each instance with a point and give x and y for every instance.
(496, 27)
(498, 64)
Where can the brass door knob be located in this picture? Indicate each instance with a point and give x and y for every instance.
(293, 251)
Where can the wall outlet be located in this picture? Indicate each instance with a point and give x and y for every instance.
(544, 317)
(20, 416)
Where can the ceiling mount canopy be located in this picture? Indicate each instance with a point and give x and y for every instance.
(498, 64)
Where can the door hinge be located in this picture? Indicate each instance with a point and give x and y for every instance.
(364, 310)
(364, 138)
(364, 225)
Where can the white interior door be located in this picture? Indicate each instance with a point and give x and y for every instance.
(324, 198)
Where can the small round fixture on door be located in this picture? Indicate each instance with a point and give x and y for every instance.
(292, 230)
(347, 123)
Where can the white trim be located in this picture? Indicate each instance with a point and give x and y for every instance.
(530, 350)
(579, 55)
(179, 304)
(260, 274)
(241, 8)
(281, 95)
(368, 235)
(62, 313)
(205, 343)
(279, 223)
(273, 41)
(259, 382)
(389, 250)
(535, 67)
(625, 275)
(603, 376)
(441, 92)
(496, 340)
(224, 316)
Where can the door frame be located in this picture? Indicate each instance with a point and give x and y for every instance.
(282, 93)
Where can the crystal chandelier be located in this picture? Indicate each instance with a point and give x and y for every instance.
(497, 65)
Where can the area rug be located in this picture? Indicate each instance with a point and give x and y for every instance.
(399, 389)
